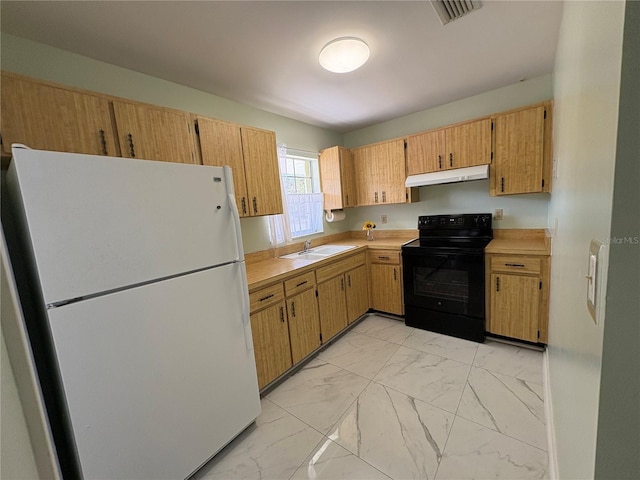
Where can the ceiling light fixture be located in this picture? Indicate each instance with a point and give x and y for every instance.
(344, 55)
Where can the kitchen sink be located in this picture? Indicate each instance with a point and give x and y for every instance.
(319, 253)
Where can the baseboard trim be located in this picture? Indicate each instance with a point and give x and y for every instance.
(548, 410)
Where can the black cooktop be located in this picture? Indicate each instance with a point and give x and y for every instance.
(460, 232)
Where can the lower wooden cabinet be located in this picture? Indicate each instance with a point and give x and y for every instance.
(386, 281)
(357, 292)
(518, 292)
(332, 304)
(271, 345)
(302, 313)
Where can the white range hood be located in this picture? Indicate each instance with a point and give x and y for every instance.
(448, 176)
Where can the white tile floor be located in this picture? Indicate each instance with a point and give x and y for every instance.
(388, 401)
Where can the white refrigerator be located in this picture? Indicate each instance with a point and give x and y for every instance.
(142, 294)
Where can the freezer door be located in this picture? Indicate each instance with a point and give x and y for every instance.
(158, 378)
(99, 223)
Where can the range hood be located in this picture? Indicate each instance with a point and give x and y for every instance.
(448, 176)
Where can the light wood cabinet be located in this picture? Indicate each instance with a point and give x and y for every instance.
(333, 307)
(380, 173)
(302, 312)
(154, 133)
(251, 154)
(463, 145)
(270, 331)
(341, 294)
(48, 117)
(337, 176)
(522, 151)
(518, 293)
(386, 281)
(357, 292)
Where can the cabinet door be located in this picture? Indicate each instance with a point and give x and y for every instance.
(337, 176)
(51, 118)
(154, 133)
(271, 342)
(221, 144)
(519, 148)
(304, 324)
(357, 292)
(515, 301)
(468, 144)
(386, 288)
(393, 172)
(261, 170)
(366, 176)
(332, 306)
(426, 152)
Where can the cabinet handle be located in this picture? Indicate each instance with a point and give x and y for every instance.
(293, 309)
(132, 150)
(375, 197)
(103, 142)
(395, 274)
(497, 284)
(301, 283)
(342, 283)
(502, 184)
(384, 197)
(383, 258)
(266, 298)
(439, 161)
(521, 265)
(347, 202)
(244, 206)
(282, 314)
(255, 205)
(451, 159)
(349, 280)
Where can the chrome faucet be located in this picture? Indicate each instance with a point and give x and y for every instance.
(307, 246)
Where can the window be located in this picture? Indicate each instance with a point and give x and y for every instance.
(301, 196)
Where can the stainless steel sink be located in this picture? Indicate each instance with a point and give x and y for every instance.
(319, 253)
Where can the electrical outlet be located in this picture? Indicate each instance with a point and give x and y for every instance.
(555, 168)
(383, 219)
(497, 214)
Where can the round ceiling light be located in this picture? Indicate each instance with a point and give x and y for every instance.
(344, 55)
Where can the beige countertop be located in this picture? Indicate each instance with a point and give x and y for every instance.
(519, 242)
(265, 268)
(264, 272)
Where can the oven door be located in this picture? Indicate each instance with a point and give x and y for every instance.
(444, 281)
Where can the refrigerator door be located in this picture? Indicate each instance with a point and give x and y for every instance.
(157, 378)
(97, 223)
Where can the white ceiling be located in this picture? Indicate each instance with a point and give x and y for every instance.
(265, 53)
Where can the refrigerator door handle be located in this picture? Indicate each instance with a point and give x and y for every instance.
(246, 325)
(234, 211)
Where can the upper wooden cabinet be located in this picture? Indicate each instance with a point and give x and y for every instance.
(464, 145)
(380, 174)
(337, 175)
(47, 117)
(251, 154)
(522, 162)
(154, 133)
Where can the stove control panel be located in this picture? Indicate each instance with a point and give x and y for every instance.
(462, 221)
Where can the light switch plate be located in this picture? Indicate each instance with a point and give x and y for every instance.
(596, 282)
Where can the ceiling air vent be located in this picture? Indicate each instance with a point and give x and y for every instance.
(450, 10)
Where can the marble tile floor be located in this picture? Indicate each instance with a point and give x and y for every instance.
(387, 401)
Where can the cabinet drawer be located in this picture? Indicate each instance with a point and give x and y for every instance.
(299, 283)
(529, 265)
(339, 267)
(388, 257)
(266, 296)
